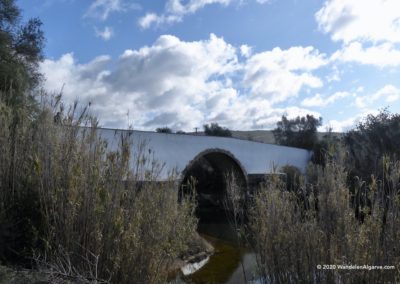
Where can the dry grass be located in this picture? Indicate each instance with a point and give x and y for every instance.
(295, 231)
(79, 209)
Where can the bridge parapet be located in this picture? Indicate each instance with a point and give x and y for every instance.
(178, 151)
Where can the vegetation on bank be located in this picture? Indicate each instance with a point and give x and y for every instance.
(305, 235)
(377, 136)
(75, 209)
(69, 207)
(304, 228)
(78, 212)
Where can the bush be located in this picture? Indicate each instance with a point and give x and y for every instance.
(376, 136)
(79, 209)
(291, 239)
(300, 132)
(164, 130)
(215, 130)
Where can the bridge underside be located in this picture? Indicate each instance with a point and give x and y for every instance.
(210, 173)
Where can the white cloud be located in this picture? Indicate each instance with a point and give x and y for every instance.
(349, 123)
(268, 117)
(245, 50)
(342, 125)
(382, 55)
(101, 9)
(148, 20)
(315, 101)
(388, 94)
(176, 6)
(320, 101)
(172, 81)
(335, 75)
(105, 34)
(369, 30)
(366, 20)
(281, 74)
(176, 10)
(246, 112)
(80, 80)
(152, 19)
(177, 84)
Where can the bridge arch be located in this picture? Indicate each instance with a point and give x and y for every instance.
(209, 170)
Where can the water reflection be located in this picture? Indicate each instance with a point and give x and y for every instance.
(225, 265)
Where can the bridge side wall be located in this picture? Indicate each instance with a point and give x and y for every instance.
(178, 150)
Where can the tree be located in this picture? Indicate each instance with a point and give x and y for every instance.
(164, 130)
(20, 53)
(300, 132)
(21, 48)
(215, 130)
(376, 137)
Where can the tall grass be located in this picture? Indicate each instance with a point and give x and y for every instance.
(295, 231)
(78, 210)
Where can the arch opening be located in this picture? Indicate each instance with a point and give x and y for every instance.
(209, 171)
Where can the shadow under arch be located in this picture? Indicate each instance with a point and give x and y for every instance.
(209, 170)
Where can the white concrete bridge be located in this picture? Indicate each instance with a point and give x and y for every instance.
(183, 153)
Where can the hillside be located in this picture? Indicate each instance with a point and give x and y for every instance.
(264, 136)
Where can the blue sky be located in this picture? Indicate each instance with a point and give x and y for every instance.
(240, 63)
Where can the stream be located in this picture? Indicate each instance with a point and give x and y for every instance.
(224, 266)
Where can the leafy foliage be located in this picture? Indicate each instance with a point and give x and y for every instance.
(215, 130)
(164, 130)
(20, 52)
(300, 132)
(373, 138)
(66, 201)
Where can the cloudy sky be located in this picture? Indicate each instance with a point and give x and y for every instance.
(240, 63)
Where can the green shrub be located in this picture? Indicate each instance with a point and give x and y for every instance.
(215, 130)
(164, 130)
(376, 136)
(299, 132)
